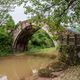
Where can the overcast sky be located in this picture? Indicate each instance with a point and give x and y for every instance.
(18, 14)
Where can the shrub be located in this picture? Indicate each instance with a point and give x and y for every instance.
(6, 37)
(5, 42)
(40, 40)
(69, 55)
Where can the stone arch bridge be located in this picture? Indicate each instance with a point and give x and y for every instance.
(22, 34)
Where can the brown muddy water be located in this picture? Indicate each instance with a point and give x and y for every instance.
(17, 67)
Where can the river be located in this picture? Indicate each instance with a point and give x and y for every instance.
(17, 67)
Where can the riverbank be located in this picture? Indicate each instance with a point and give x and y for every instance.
(46, 52)
(18, 66)
(24, 66)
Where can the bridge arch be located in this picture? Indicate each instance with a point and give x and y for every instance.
(22, 34)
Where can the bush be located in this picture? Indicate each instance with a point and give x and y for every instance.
(6, 37)
(5, 42)
(69, 55)
(40, 40)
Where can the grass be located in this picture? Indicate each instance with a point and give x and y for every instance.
(46, 52)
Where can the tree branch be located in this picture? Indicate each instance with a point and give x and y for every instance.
(70, 3)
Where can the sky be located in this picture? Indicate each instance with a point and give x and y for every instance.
(18, 14)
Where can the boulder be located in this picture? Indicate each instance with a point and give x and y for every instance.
(3, 77)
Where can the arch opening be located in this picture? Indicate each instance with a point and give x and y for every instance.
(40, 40)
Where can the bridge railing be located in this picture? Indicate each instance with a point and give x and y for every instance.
(70, 40)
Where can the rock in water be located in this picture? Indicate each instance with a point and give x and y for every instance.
(3, 77)
(34, 71)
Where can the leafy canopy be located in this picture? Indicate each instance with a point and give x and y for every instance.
(5, 7)
(53, 12)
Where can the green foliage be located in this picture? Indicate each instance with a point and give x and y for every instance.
(10, 23)
(5, 42)
(56, 11)
(69, 55)
(40, 40)
(7, 6)
(6, 38)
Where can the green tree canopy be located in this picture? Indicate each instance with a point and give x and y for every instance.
(5, 7)
(54, 12)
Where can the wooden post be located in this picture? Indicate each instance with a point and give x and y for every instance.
(68, 39)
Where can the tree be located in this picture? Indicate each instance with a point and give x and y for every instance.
(6, 37)
(10, 24)
(40, 40)
(54, 12)
(5, 7)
